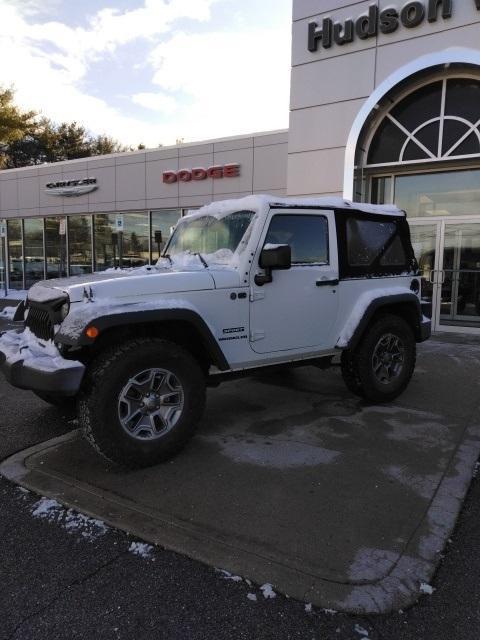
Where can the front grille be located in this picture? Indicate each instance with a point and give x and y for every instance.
(39, 323)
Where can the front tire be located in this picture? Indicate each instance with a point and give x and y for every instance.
(142, 401)
(381, 367)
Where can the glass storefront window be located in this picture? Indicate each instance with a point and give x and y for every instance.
(106, 252)
(33, 243)
(130, 248)
(15, 254)
(80, 245)
(55, 248)
(381, 190)
(162, 221)
(3, 262)
(135, 247)
(446, 193)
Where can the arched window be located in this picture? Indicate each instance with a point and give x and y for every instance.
(439, 121)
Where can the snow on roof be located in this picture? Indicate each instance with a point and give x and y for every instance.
(264, 202)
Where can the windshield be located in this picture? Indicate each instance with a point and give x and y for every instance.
(216, 239)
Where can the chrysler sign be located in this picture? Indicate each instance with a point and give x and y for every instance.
(373, 22)
(69, 188)
(199, 173)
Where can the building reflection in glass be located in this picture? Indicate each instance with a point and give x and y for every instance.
(34, 258)
(80, 245)
(55, 248)
(15, 253)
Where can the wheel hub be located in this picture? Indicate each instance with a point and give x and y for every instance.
(388, 358)
(150, 404)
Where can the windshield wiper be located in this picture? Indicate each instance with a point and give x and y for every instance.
(202, 259)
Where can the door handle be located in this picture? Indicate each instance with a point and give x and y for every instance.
(327, 282)
(441, 276)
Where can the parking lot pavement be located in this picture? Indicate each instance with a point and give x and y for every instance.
(294, 482)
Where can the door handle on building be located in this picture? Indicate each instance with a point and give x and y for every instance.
(440, 280)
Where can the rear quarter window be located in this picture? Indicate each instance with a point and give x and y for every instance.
(373, 245)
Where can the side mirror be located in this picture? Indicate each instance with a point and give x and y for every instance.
(273, 256)
(276, 256)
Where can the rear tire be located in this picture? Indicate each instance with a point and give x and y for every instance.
(142, 401)
(381, 367)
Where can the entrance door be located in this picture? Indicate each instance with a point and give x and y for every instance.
(448, 254)
(425, 242)
(459, 277)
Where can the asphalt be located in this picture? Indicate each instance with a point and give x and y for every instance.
(59, 581)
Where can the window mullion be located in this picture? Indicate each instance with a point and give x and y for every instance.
(442, 118)
(473, 129)
(410, 138)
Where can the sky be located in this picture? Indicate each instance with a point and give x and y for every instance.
(150, 71)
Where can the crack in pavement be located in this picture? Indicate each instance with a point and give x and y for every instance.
(58, 596)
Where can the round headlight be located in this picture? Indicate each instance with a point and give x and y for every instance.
(65, 308)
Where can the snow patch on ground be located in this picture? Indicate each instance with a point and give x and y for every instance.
(45, 508)
(426, 588)
(268, 592)
(360, 630)
(226, 575)
(8, 312)
(13, 294)
(422, 484)
(72, 521)
(141, 549)
(252, 597)
(274, 453)
(308, 607)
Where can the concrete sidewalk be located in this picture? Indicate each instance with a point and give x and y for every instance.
(293, 481)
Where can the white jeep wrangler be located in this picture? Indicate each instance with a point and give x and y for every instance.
(242, 285)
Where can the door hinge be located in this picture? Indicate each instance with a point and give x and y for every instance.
(256, 295)
(257, 335)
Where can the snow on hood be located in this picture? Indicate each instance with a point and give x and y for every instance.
(126, 283)
(185, 274)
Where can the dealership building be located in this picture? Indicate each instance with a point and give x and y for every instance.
(385, 107)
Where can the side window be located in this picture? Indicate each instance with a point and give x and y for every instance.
(371, 241)
(306, 235)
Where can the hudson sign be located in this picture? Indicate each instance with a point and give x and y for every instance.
(199, 173)
(370, 24)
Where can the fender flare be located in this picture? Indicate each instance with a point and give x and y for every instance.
(407, 299)
(151, 316)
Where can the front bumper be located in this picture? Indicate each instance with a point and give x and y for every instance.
(49, 373)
